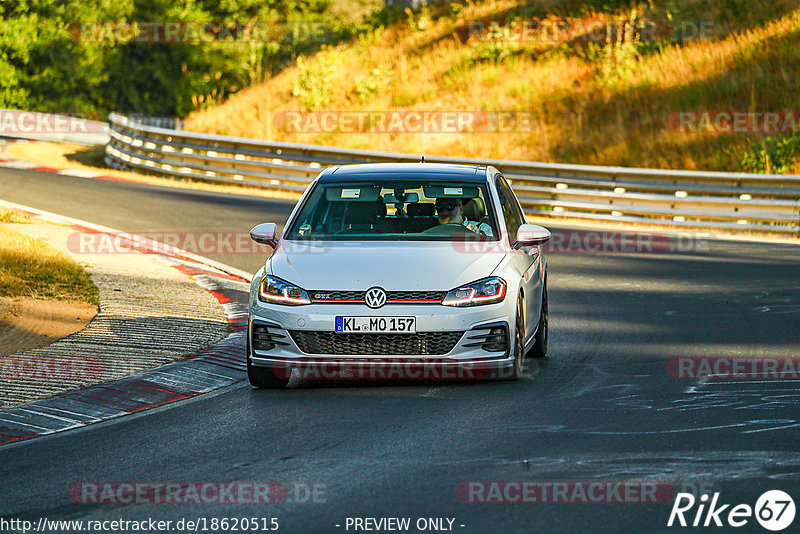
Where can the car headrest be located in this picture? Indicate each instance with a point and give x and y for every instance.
(474, 209)
(425, 209)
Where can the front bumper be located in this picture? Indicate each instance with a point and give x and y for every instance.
(466, 353)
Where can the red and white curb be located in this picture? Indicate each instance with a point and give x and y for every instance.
(21, 165)
(214, 367)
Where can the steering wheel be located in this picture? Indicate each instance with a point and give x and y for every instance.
(449, 229)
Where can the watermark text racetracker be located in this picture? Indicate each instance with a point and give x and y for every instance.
(409, 369)
(563, 492)
(602, 242)
(168, 242)
(14, 122)
(560, 30)
(588, 241)
(741, 368)
(405, 121)
(50, 368)
(196, 493)
(735, 122)
(194, 32)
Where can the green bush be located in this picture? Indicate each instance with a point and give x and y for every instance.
(312, 85)
(47, 65)
(377, 80)
(773, 155)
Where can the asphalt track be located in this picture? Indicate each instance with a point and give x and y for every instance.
(603, 407)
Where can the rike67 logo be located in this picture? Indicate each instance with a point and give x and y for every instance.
(774, 510)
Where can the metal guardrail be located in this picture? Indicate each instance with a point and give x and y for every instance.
(692, 199)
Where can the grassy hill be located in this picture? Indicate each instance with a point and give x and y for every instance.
(595, 98)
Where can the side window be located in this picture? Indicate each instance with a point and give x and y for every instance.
(515, 202)
(509, 207)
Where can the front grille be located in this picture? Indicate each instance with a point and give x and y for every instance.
(438, 296)
(322, 296)
(422, 343)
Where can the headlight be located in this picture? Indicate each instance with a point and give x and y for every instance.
(277, 291)
(486, 291)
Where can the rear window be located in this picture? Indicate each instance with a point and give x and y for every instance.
(417, 210)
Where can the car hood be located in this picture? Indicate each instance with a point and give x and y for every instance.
(392, 265)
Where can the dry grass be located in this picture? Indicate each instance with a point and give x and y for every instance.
(606, 104)
(31, 268)
(13, 216)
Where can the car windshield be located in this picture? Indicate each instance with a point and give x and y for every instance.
(395, 210)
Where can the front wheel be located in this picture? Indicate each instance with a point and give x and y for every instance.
(263, 377)
(539, 349)
(519, 342)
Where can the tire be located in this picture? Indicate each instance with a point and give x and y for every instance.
(518, 370)
(263, 377)
(539, 349)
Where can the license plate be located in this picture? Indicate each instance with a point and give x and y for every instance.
(368, 325)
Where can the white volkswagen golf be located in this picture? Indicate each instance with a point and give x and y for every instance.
(400, 271)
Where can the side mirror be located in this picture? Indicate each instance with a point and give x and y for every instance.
(265, 233)
(531, 234)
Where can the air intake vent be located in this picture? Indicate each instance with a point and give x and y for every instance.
(266, 337)
(422, 343)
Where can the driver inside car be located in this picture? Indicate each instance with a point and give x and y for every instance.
(451, 211)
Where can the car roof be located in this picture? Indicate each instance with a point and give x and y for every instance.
(393, 171)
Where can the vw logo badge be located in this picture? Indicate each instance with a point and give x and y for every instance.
(375, 297)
